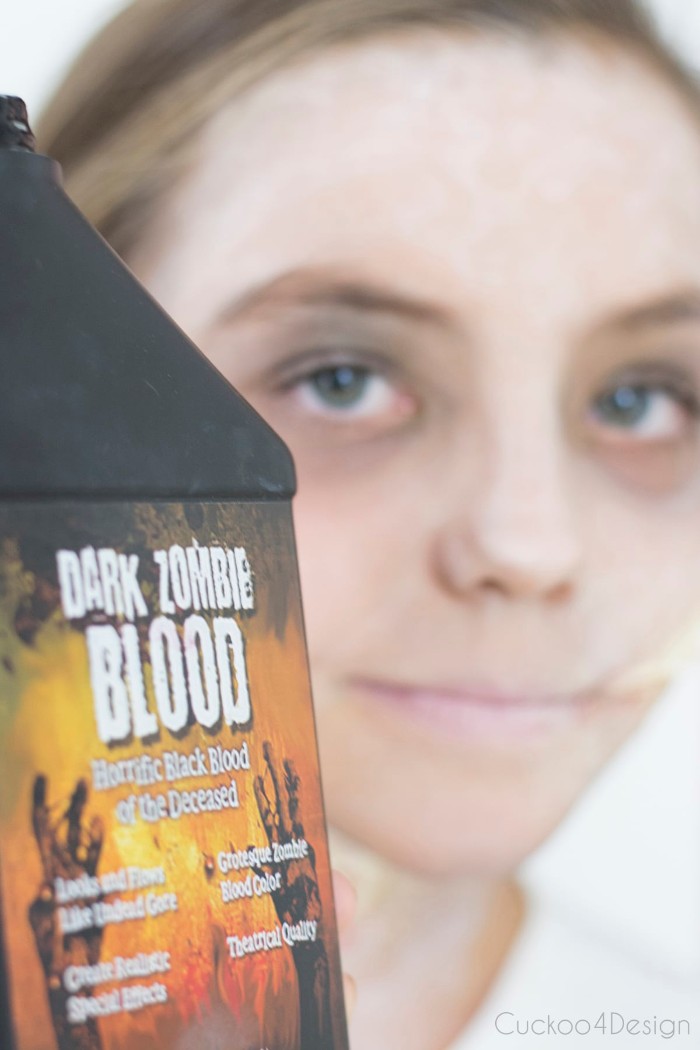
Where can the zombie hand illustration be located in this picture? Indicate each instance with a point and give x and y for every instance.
(297, 898)
(69, 850)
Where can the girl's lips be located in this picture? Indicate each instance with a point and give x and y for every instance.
(474, 713)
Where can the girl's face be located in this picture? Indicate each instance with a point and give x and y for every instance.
(460, 276)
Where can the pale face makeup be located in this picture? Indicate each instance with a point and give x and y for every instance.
(459, 275)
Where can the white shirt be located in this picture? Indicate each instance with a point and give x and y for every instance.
(566, 986)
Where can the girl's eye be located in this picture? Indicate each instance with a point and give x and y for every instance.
(642, 412)
(343, 386)
(350, 392)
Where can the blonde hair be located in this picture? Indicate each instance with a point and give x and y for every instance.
(124, 122)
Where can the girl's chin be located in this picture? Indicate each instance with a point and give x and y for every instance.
(435, 820)
(422, 852)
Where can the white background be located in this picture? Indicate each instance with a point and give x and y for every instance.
(39, 38)
(629, 858)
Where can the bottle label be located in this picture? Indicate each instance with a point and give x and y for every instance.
(164, 873)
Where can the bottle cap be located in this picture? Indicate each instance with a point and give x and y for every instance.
(15, 132)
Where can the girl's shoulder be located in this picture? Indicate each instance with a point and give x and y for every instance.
(567, 982)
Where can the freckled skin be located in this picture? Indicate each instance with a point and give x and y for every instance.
(478, 529)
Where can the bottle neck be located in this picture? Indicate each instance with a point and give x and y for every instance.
(25, 177)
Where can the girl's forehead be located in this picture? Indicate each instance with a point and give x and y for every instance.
(474, 97)
(495, 163)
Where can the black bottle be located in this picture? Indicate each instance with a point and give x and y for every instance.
(164, 875)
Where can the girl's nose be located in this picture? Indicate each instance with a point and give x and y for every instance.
(515, 532)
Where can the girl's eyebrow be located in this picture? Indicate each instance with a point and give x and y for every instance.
(675, 308)
(318, 288)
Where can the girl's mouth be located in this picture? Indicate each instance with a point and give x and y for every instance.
(473, 713)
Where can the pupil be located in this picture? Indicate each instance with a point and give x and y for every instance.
(341, 386)
(626, 404)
